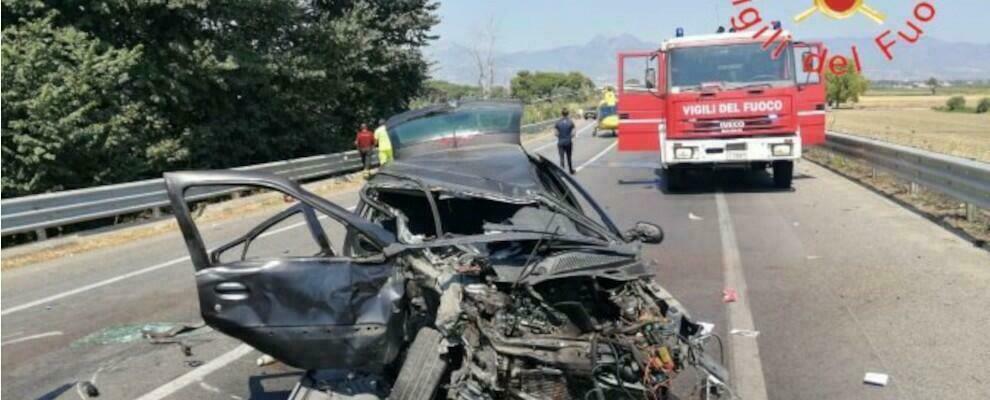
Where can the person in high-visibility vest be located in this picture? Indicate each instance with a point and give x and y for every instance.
(608, 98)
(384, 144)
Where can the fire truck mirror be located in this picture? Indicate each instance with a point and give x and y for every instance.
(651, 78)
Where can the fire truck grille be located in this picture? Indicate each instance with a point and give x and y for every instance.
(748, 125)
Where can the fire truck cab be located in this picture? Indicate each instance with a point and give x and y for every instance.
(722, 101)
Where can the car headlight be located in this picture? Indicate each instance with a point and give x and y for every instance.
(781, 150)
(684, 152)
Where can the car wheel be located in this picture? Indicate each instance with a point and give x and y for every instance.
(423, 369)
(783, 174)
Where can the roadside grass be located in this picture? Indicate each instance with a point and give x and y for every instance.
(204, 213)
(911, 120)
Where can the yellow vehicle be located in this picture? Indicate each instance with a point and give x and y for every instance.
(608, 119)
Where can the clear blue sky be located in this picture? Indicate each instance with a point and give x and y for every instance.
(541, 24)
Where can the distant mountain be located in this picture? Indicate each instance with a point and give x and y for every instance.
(929, 57)
(596, 59)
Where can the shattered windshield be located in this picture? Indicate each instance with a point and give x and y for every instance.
(729, 65)
(444, 127)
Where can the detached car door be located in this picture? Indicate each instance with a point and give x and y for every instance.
(325, 308)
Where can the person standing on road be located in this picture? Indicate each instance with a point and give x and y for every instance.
(384, 144)
(365, 143)
(564, 130)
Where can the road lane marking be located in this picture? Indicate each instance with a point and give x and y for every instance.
(86, 288)
(197, 374)
(597, 156)
(744, 352)
(32, 337)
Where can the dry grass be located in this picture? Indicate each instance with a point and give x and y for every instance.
(911, 121)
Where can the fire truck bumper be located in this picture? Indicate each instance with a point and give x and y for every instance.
(736, 152)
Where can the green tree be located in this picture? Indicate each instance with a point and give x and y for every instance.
(956, 103)
(845, 87)
(69, 119)
(536, 86)
(933, 84)
(219, 83)
(983, 106)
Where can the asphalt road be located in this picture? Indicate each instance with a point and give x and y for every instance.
(837, 280)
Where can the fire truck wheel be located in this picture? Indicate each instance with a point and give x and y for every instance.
(783, 173)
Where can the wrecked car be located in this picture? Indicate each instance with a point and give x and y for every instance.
(469, 269)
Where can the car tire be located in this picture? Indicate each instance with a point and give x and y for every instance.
(783, 174)
(422, 370)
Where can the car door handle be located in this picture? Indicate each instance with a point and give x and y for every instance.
(231, 291)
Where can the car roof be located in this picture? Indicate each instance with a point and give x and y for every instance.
(502, 172)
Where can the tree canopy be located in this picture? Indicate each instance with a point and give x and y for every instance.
(106, 91)
(846, 87)
(536, 86)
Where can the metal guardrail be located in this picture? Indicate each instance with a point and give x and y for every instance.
(960, 178)
(49, 210)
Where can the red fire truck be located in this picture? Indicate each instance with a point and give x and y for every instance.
(722, 101)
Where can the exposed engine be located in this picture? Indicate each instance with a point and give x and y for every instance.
(577, 337)
(541, 318)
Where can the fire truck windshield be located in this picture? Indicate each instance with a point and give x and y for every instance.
(729, 66)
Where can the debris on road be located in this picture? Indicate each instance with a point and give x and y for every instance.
(729, 296)
(876, 378)
(160, 332)
(813, 257)
(264, 360)
(744, 333)
(693, 217)
(194, 363)
(89, 389)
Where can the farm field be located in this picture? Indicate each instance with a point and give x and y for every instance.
(911, 120)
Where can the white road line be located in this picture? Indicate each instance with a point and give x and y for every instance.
(197, 374)
(744, 352)
(105, 282)
(86, 288)
(597, 156)
(32, 337)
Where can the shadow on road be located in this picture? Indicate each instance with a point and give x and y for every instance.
(55, 393)
(727, 181)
